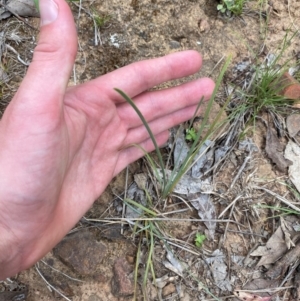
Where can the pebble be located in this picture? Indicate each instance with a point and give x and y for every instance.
(293, 124)
(174, 44)
(290, 87)
(82, 252)
(121, 284)
(204, 25)
(168, 289)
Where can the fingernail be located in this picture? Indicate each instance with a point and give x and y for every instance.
(49, 11)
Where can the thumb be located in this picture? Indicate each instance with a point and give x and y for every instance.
(44, 85)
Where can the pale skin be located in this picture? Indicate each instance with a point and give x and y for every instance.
(60, 147)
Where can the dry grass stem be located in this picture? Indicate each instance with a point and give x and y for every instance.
(230, 205)
(50, 286)
(60, 272)
(280, 198)
(247, 159)
(132, 220)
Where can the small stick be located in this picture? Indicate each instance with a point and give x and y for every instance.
(253, 239)
(246, 233)
(125, 196)
(50, 285)
(230, 205)
(280, 198)
(292, 270)
(239, 230)
(58, 271)
(240, 171)
(109, 220)
(17, 54)
(230, 215)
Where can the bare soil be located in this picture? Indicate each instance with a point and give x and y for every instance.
(141, 29)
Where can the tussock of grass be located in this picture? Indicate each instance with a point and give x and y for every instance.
(262, 94)
(168, 183)
(149, 229)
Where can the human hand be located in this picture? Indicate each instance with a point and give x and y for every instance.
(60, 147)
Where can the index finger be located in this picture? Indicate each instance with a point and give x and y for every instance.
(141, 76)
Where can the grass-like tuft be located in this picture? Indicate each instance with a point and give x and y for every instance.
(263, 92)
(205, 131)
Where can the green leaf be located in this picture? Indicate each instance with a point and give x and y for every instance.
(220, 7)
(191, 135)
(200, 238)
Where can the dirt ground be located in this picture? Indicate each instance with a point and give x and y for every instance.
(142, 29)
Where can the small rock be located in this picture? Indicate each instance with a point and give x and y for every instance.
(23, 8)
(12, 296)
(289, 87)
(81, 252)
(293, 124)
(121, 285)
(204, 25)
(130, 259)
(174, 44)
(168, 289)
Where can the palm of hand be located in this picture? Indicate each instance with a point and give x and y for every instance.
(61, 149)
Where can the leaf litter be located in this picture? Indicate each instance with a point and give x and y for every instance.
(278, 244)
(219, 270)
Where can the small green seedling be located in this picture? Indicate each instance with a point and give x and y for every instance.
(199, 240)
(234, 6)
(191, 135)
(100, 21)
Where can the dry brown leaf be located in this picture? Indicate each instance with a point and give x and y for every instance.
(264, 284)
(250, 297)
(287, 233)
(274, 150)
(282, 265)
(273, 250)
